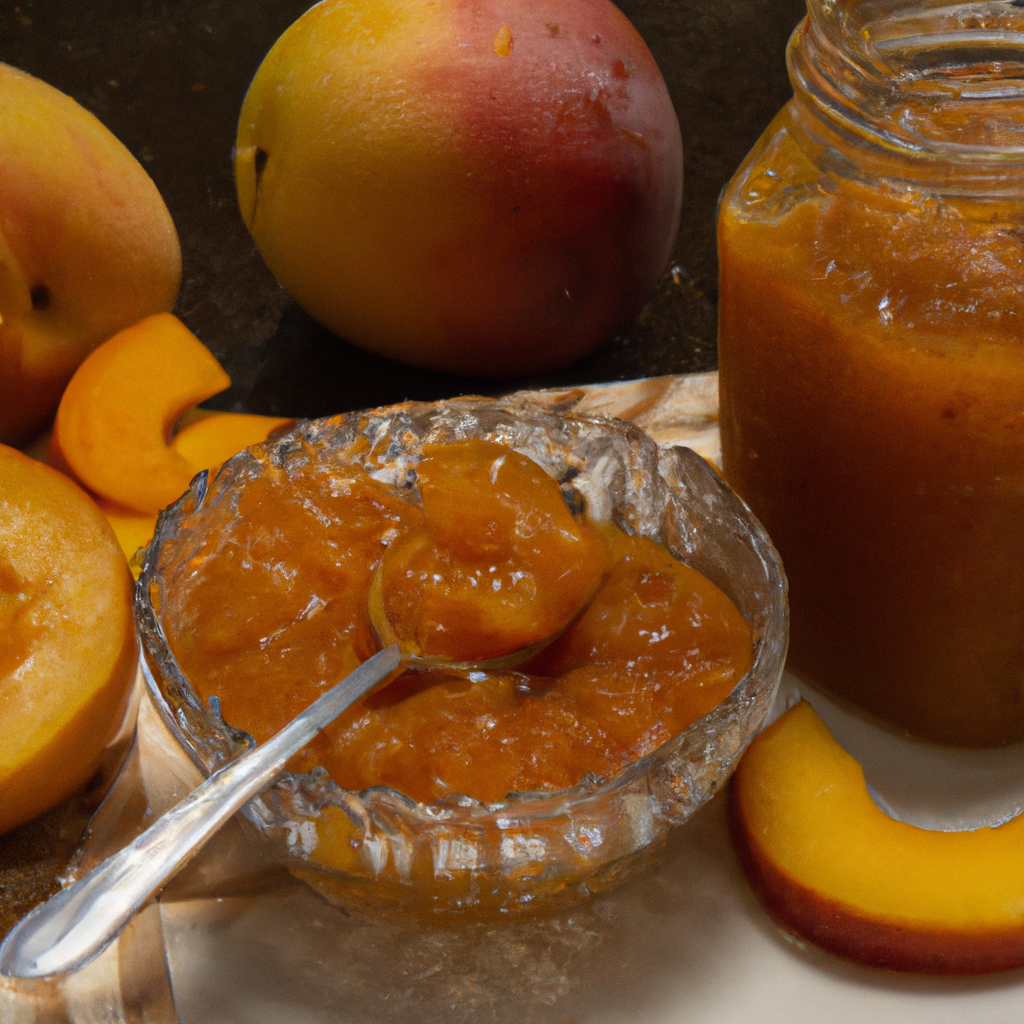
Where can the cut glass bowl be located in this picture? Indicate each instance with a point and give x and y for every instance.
(378, 849)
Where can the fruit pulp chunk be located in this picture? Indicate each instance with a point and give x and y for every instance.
(480, 580)
(268, 613)
(873, 419)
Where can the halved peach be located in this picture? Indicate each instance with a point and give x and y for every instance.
(117, 412)
(836, 871)
(68, 653)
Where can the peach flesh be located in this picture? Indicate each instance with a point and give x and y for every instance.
(68, 654)
(118, 410)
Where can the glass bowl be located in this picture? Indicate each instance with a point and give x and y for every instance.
(379, 849)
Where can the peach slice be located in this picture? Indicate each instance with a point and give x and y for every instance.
(836, 871)
(212, 438)
(133, 530)
(67, 640)
(118, 410)
(206, 442)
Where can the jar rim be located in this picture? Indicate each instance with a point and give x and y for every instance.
(938, 89)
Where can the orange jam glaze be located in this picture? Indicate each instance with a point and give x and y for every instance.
(274, 611)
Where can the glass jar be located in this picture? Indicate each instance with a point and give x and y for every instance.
(871, 347)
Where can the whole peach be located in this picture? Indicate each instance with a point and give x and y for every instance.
(87, 246)
(478, 186)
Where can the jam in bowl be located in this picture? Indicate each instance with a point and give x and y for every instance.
(651, 603)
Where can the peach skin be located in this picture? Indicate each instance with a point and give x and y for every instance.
(486, 187)
(87, 246)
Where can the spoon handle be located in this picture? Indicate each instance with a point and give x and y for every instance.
(79, 922)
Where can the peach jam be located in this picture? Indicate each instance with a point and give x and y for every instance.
(872, 364)
(480, 555)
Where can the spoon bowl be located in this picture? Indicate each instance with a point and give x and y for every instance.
(386, 634)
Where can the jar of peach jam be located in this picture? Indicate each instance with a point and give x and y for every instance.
(871, 346)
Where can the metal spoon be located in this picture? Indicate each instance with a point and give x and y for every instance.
(79, 922)
(386, 634)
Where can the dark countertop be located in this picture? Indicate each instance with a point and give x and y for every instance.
(168, 78)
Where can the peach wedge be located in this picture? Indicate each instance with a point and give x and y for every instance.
(205, 442)
(837, 872)
(67, 641)
(212, 438)
(117, 412)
